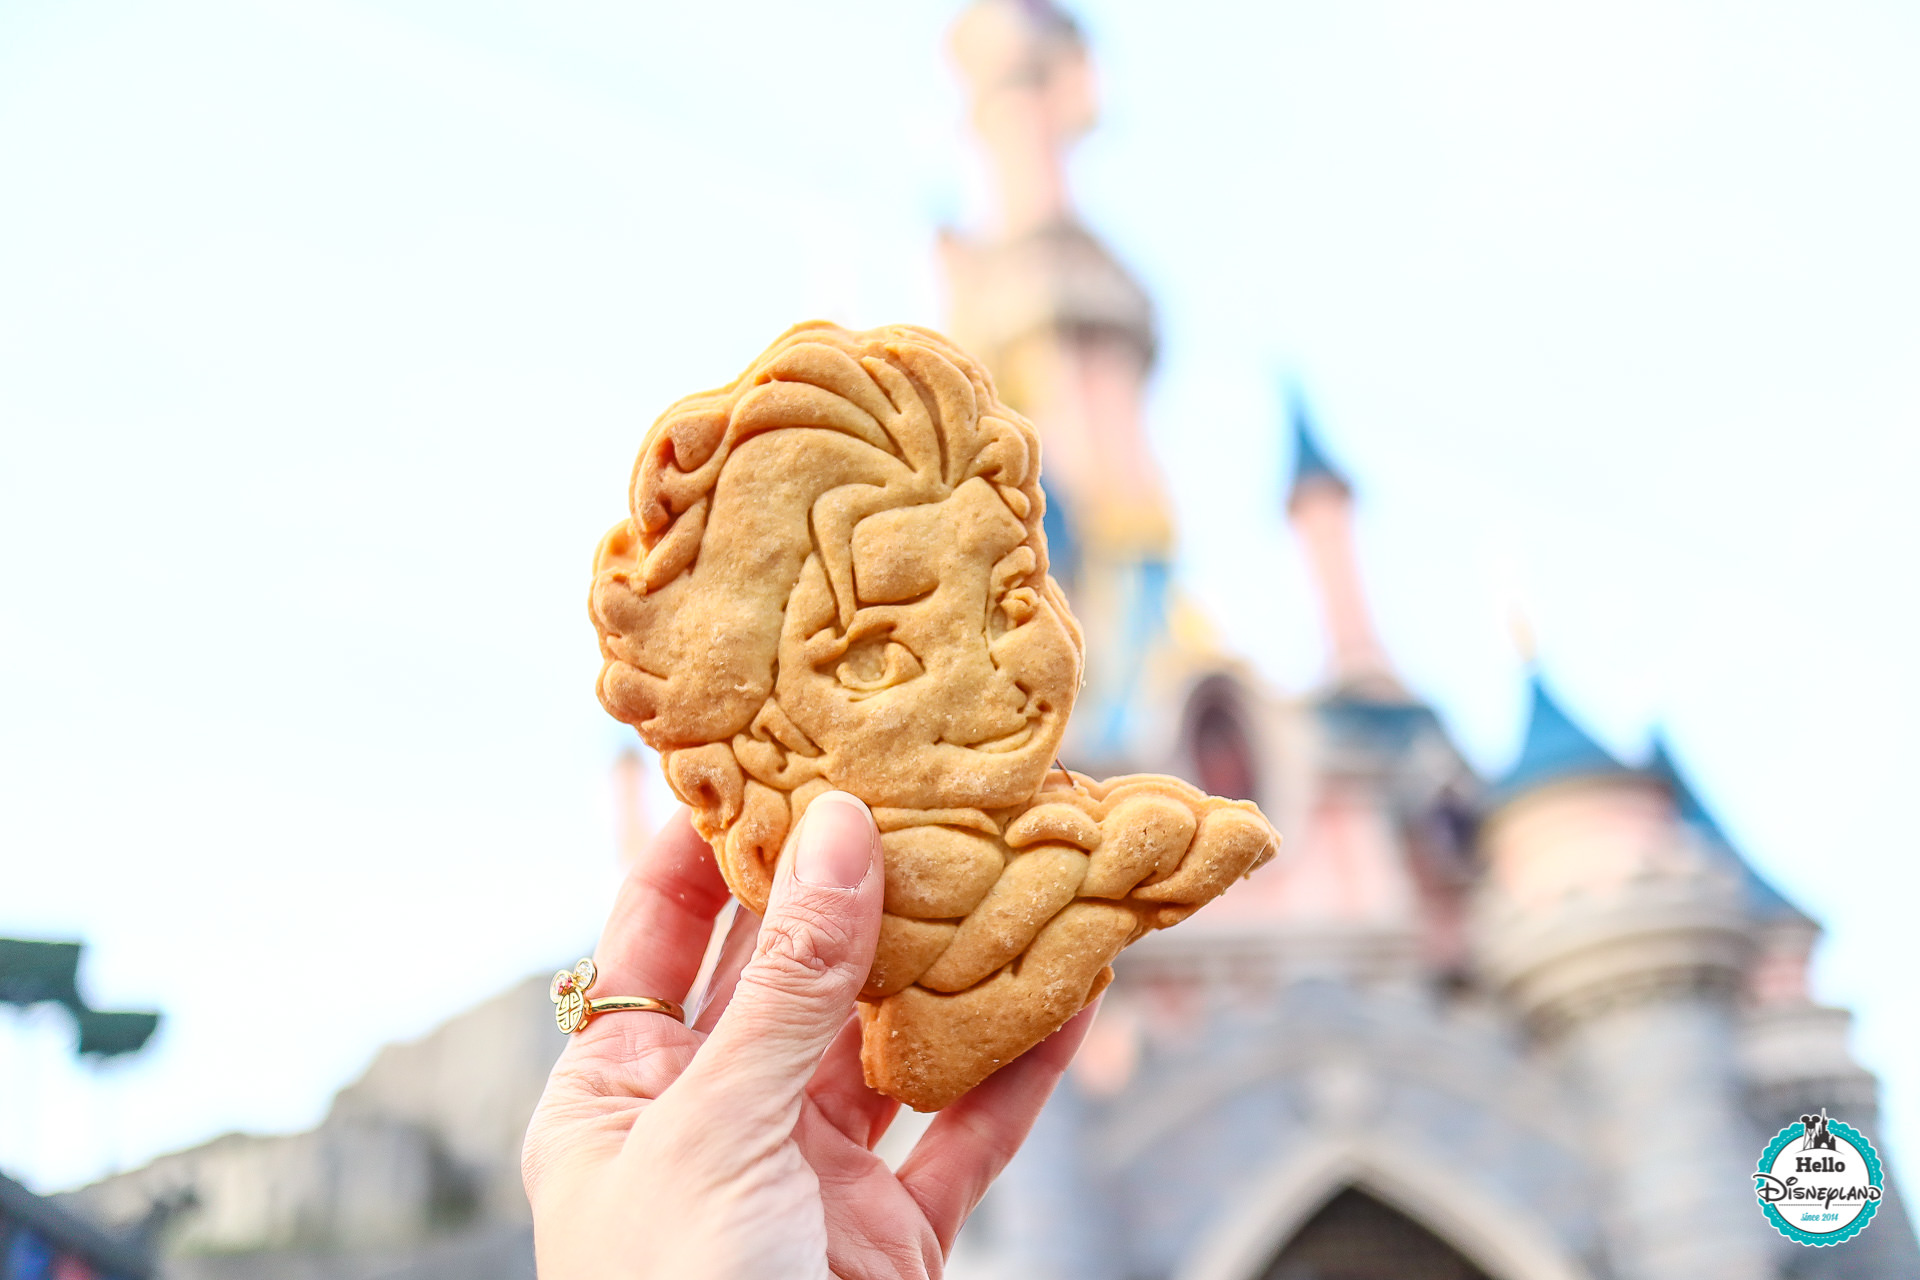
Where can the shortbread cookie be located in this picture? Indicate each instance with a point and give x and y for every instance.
(834, 577)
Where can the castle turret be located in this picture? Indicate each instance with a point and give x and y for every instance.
(1069, 335)
(1067, 330)
(1793, 1051)
(1320, 504)
(1555, 750)
(1623, 942)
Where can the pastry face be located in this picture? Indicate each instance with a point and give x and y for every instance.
(951, 685)
(835, 576)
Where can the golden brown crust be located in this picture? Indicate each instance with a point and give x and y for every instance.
(1032, 953)
(927, 1049)
(834, 576)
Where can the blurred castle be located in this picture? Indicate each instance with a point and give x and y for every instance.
(1534, 1029)
(1538, 1029)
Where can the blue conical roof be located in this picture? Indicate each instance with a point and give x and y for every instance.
(1692, 812)
(1763, 899)
(1555, 748)
(1310, 461)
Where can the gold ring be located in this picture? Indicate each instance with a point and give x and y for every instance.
(572, 1010)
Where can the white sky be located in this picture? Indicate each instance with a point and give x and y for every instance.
(328, 332)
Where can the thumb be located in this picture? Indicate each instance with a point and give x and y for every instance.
(815, 947)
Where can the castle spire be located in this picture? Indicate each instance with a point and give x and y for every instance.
(1311, 466)
(1766, 901)
(1686, 801)
(1032, 100)
(1320, 505)
(1067, 331)
(1069, 336)
(1555, 749)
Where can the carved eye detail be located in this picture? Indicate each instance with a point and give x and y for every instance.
(876, 664)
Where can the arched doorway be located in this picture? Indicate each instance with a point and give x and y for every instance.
(1218, 745)
(1356, 1237)
(1492, 1235)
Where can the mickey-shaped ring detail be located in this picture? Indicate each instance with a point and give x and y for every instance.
(572, 1010)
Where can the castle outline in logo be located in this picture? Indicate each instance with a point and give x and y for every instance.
(1819, 1181)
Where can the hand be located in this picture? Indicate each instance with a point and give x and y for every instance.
(741, 1147)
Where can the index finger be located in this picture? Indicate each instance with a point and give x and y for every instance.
(657, 934)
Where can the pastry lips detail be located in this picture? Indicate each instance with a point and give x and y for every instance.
(834, 575)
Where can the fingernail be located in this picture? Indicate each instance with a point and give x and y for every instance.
(836, 842)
